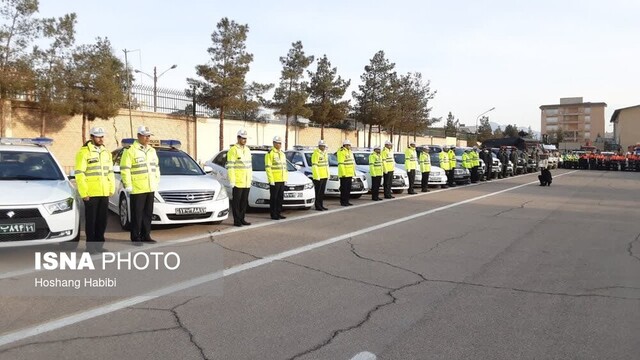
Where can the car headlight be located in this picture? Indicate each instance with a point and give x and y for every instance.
(333, 178)
(222, 194)
(260, 185)
(157, 197)
(308, 186)
(59, 206)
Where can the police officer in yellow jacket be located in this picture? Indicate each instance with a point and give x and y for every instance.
(452, 166)
(376, 172)
(320, 172)
(425, 168)
(95, 181)
(275, 165)
(140, 173)
(475, 164)
(411, 164)
(388, 165)
(443, 156)
(240, 171)
(346, 171)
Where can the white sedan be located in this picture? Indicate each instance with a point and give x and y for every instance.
(298, 193)
(186, 193)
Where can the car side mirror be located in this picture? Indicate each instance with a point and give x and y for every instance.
(298, 164)
(208, 169)
(72, 175)
(116, 169)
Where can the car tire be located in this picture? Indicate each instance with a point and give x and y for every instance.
(123, 212)
(397, 191)
(355, 196)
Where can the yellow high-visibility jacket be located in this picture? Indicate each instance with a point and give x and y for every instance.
(239, 167)
(410, 159)
(319, 164)
(444, 160)
(139, 168)
(375, 164)
(275, 165)
(388, 163)
(346, 163)
(452, 159)
(94, 171)
(425, 162)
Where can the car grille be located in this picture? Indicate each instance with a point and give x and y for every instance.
(189, 216)
(24, 216)
(397, 181)
(294, 188)
(187, 197)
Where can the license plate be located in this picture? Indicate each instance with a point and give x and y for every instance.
(190, 211)
(292, 195)
(24, 228)
(434, 178)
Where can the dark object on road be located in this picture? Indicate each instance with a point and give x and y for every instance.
(545, 177)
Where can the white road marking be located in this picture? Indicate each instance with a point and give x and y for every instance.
(45, 327)
(365, 355)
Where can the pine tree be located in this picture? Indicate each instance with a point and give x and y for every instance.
(326, 90)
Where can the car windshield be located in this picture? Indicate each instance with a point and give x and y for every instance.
(333, 160)
(257, 162)
(308, 157)
(459, 151)
(435, 159)
(398, 158)
(28, 166)
(361, 158)
(173, 162)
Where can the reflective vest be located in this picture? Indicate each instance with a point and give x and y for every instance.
(475, 158)
(319, 164)
(410, 159)
(94, 171)
(239, 168)
(275, 165)
(388, 163)
(444, 160)
(346, 163)
(139, 168)
(375, 164)
(452, 159)
(425, 162)
(466, 162)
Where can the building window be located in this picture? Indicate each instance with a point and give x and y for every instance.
(587, 119)
(587, 135)
(552, 128)
(552, 120)
(587, 110)
(587, 127)
(551, 112)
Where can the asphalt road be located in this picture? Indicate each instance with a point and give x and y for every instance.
(501, 270)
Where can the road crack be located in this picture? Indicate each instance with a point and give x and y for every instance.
(630, 248)
(255, 257)
(337, 276)
(513, 208)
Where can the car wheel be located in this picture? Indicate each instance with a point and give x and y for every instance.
(124, 213)
(397, 191)
(355, 196)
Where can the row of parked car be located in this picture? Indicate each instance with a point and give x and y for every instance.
(39, 203)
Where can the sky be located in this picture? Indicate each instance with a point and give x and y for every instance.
(513, 55)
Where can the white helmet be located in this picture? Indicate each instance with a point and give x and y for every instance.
(346, 142)
(97, 132)
(277, 139)
(376, 147)
(388, 142)
(322, 143)
(242, 133)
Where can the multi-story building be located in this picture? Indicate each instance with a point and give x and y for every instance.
(626, 126)
(578, 121)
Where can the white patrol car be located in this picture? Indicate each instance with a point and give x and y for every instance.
(300, 156)
(186, 193)
(298, 192)
(38, 204)
(400, 181)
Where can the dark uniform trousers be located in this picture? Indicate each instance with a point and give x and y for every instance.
(320, 186)
(450, 177)
(388, 180)
(412, 179)
(141, 213)
(345, 189)
(95, 214)
(375, 187)
(239, 204)
(474, 174)
(276, 199)
(425, 181)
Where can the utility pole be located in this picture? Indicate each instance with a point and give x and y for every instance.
(126, 64)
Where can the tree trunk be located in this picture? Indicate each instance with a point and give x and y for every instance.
(286, 133)
(43, 124)
(5, 117)
(322, 131)
(221, 128)
(369, 138)
(84, 127)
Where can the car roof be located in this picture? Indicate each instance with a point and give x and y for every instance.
(24, 148)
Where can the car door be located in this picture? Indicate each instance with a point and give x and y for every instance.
(219, 172)
(116, 155)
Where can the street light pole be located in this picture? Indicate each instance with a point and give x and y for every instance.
(478, 118)
(155, 78)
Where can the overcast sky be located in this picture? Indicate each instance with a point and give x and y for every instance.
(512, 55)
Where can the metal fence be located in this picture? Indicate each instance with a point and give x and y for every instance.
(166, 101)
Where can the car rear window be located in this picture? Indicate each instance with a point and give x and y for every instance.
(28, 166)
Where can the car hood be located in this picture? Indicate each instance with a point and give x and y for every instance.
(35, 192)
(295, 178)
(188, 182)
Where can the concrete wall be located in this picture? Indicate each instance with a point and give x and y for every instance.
(199, 138)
